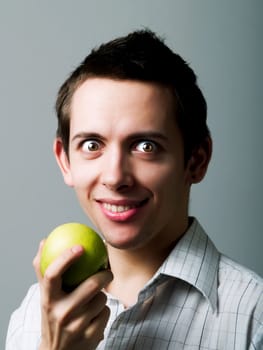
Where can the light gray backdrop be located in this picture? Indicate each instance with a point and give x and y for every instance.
(42, 41)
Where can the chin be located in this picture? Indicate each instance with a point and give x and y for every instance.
(126, 241)
(123, 235)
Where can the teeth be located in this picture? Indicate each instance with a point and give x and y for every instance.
(117, 208)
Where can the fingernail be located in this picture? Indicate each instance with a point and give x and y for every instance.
(77, 249)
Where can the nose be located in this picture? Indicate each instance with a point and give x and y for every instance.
(117, 171)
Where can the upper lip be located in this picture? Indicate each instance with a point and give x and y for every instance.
(123, 202)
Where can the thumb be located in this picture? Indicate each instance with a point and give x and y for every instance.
(36, 260)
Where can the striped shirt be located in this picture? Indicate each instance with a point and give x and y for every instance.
(198, 299)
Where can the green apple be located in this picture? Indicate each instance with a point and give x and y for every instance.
(94, 258)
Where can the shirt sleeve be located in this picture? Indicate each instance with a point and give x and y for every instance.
(257, 326)
(257, 343)
(24, 329)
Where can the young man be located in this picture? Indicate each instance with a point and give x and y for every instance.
(131, 140)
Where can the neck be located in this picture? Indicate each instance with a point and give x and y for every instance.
(132, 269)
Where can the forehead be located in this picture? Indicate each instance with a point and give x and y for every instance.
(103, 102)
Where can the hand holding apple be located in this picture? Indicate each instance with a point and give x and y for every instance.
(93, 259)
(73, 320)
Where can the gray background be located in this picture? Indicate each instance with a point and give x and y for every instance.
(42, 41)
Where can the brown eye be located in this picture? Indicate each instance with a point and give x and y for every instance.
(90, 146)
(146, 147)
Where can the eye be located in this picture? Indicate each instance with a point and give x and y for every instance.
(146, 147)
(90, 146)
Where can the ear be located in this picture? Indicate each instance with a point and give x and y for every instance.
(198, 163)
(63, 161)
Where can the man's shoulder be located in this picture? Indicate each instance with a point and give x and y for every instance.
(25, 322)
(241, 289)
(32, 297)
(234, 271)
(27, 315)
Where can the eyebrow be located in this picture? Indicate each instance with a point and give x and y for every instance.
(87, 135)
(137, 135)
(148, 134)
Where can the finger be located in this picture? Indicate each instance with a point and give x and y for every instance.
(91, 286)
(84, 294)
(95, 331)
(79, 319)
(36, 260)
(52, 280)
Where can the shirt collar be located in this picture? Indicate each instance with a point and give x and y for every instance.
(195, 260)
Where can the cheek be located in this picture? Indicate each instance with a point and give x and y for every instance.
(168, 186)
(83, 176)
(161, 177)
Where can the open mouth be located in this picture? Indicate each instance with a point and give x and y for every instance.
(114, 208)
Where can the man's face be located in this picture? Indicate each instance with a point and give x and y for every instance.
(126, 162)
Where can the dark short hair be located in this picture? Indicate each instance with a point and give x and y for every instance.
(141, 56)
